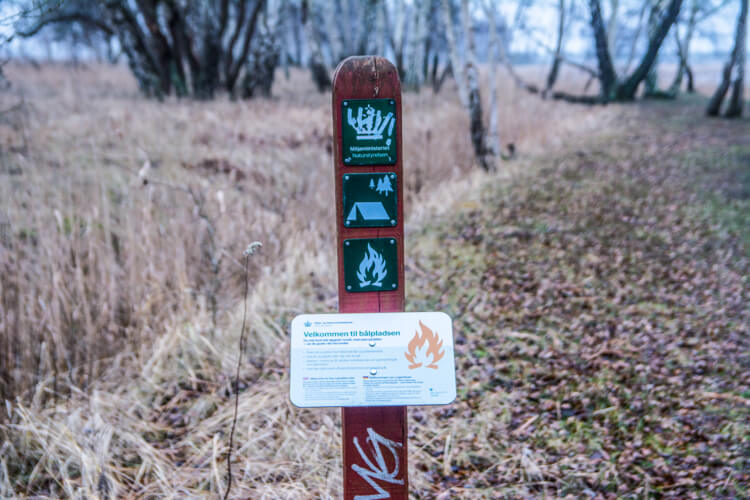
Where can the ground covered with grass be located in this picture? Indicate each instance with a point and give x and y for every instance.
(599, 285)
(602, 316)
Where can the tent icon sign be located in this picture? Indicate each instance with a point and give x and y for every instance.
(369, 199)
(367, 211)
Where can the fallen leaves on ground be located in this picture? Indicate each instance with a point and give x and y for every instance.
(602, 324)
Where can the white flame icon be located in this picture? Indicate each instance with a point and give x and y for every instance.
(371, 269)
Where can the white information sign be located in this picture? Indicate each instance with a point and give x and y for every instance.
(372, 359)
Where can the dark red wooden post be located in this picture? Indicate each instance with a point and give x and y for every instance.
(374, 438)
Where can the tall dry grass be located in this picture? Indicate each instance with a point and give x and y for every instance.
(98, 260)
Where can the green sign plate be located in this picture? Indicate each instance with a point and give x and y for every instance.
(370, 200)
(368, 131)
(370, 265)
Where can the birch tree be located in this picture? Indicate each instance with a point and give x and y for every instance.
(398, 35)
(555, 67)
(317, 65)
(466, 72)
(336, 36)
(700, 10)
(493, 136)
(416, 56)
(456, 61)
(368, 32)
(612, 24)
(651, 82)
(264, 57)
(565, 10)
(614, 87)
(683, 50)
(733, 74)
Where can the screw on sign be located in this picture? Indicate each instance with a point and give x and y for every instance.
(372, 359)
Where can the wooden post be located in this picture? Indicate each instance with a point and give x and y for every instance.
(374, 438)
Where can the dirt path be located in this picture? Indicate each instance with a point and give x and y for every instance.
(602, 321)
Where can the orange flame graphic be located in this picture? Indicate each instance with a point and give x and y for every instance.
(418, 356)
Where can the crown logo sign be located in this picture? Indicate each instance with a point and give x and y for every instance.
(370, 123)
(308, 324)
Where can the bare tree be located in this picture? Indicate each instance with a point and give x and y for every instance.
(397, 34)
(466, 72)
(368, 33)
(699, 11)
(493, 136)
(612, 86)
(564, 10)
(416, 55)
(634, 37)
(265, 56)
(457, 64)
(182, 48)
(651, 82)
(336, 40)
(683, 50)
(555, 67)
(737, 63)
(612, 24)
(317, 66)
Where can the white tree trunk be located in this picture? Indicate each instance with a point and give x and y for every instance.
(415, 46)
(317, 66)
(634, 41)
(398, 34)
(735, 104)
(380, 30)
(612, 25)
(466, 27)
(456, 62)
(369, 31)
(683, 47)
(335, 29)
(651, 83)
(736, 100)
(348, 26)
(476, 120)
(493, 142)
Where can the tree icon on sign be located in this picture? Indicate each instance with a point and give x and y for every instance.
(384, 186)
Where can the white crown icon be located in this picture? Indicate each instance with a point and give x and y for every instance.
(370, 123)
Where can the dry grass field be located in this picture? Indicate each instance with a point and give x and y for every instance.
(599, 283)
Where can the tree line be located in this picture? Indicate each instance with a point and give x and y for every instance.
(200, 48)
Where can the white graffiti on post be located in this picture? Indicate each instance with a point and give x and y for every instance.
(378, 470)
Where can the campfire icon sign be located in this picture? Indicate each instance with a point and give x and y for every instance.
(370, 265)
